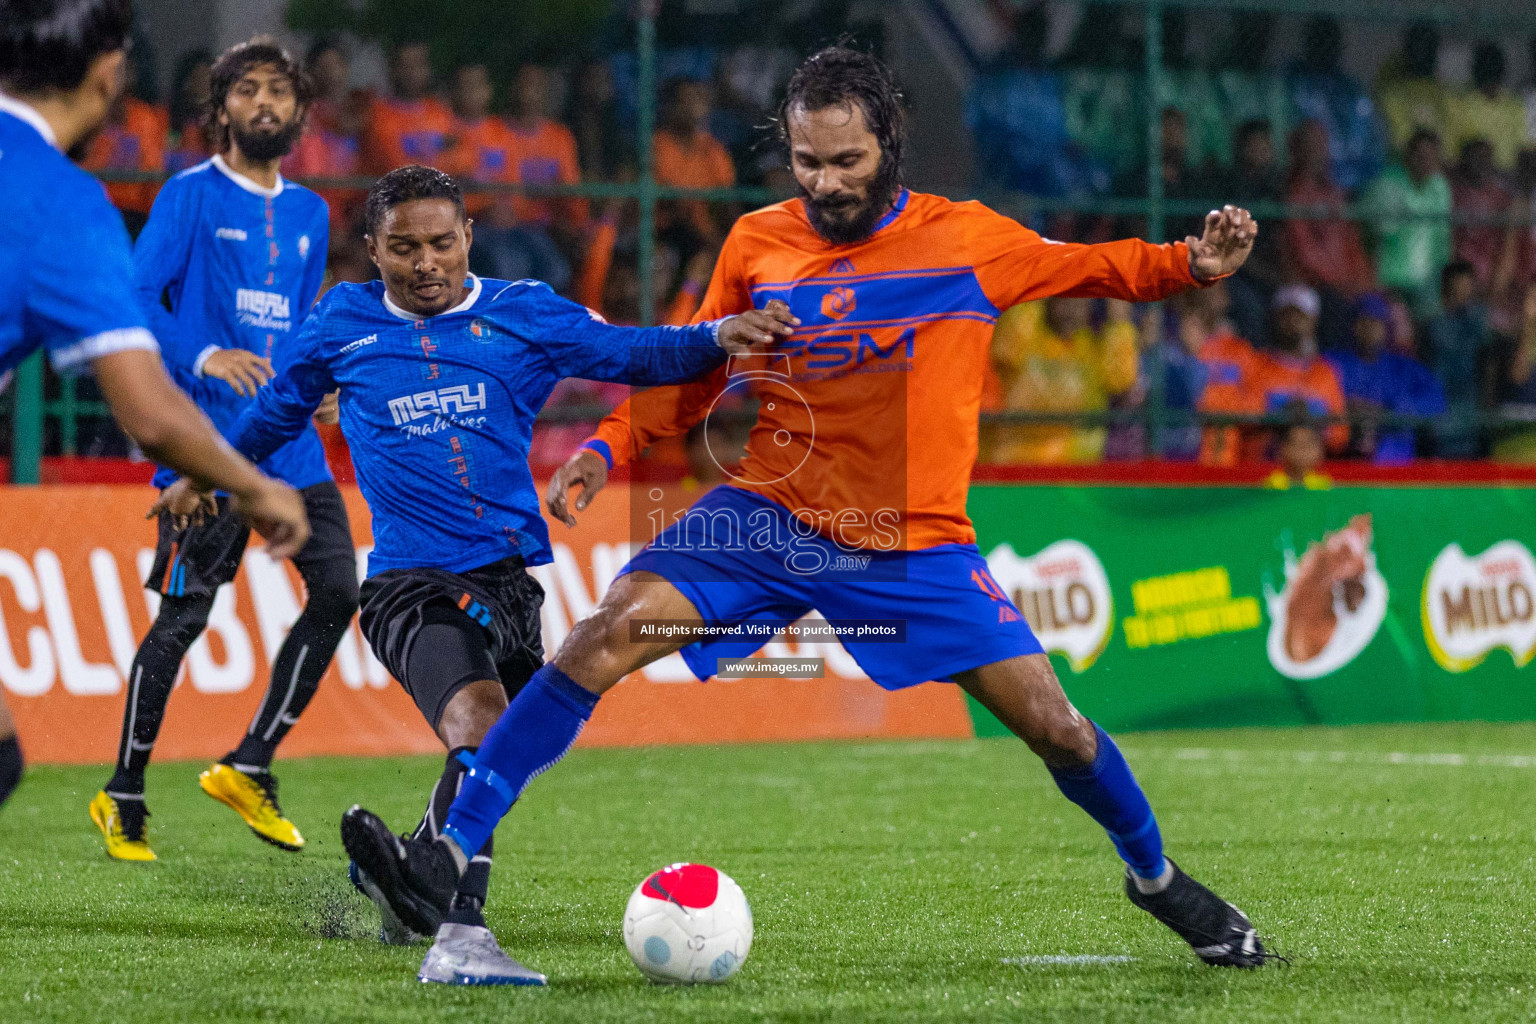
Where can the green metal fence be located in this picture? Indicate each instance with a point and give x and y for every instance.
(29, 409)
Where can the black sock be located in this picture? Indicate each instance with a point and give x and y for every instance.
(10, 766)
(475, 884)
(179, 623)
(300, 663)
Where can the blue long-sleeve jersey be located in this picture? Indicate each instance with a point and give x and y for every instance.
(66, 277)
(439, 412)
(239, 265)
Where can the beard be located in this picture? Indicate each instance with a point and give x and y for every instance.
(266, 145)
(844, 220)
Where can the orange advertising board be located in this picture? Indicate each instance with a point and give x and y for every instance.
(72, 612)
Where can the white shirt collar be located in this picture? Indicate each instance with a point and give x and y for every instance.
(469, 300)
(244, 182)
(28, 113)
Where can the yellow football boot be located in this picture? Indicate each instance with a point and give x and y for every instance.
(123, 843)
(254, 798)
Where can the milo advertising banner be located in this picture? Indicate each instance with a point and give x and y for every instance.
(1192, 607)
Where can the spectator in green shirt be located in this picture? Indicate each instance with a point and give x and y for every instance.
(1410, 208)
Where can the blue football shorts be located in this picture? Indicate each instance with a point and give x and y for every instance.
(742, 559)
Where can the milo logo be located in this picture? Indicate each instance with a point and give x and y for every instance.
(1472, 605)
(1063, 592)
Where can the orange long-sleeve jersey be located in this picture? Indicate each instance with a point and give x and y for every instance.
(867, 417)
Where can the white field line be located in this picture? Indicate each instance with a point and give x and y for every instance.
(1062, 959)
(1370, 757)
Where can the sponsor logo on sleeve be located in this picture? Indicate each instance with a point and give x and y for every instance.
(303, 247)
(1474, 604)
(1064, 594)
(353, 346)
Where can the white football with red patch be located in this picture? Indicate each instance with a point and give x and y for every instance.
(688, 924)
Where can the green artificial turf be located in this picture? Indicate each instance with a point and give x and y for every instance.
(889, 881)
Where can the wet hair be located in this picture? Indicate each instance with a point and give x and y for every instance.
(407, 184)
(841, 75)
(233, 64)
(49, 45)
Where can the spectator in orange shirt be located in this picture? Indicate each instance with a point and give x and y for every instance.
(485, 151)
(1294, 371)
(482, 149)
(1229, 362)
(133, 139)
(688, 156)
(544, 153)
(187, 146)
(411, 126)
(331, 144)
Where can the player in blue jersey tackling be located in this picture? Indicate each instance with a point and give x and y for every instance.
(441, 375)
(226, 269)
(66, 279)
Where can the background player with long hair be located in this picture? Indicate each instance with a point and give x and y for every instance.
(227, 267)
(864, 443)
(66, 279)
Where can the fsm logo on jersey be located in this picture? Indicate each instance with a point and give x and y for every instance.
(1064, 594)
(266, 310)
(1474, 604)
(447, 402)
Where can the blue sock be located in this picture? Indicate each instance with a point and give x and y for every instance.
(529, 738)
(1108, 791)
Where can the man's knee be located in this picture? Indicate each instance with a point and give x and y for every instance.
(470, 713)
(597, 652)
(1026, 696)
(1064, 738)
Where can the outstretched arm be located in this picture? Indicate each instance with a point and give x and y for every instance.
(1014, 264)
(581, 344)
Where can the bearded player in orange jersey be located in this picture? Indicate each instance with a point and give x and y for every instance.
(851, 497)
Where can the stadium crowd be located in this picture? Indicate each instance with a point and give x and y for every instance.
(1407, 286)
(1398, 292)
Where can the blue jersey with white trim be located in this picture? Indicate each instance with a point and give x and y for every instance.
(66, 277)
(225, 263)
(438, 412)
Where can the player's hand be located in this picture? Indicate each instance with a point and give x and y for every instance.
(329, 410)
(275, 511)
(1228, 239)
(757, 327)
(586, 468)
(244, 371)
(185, 504)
